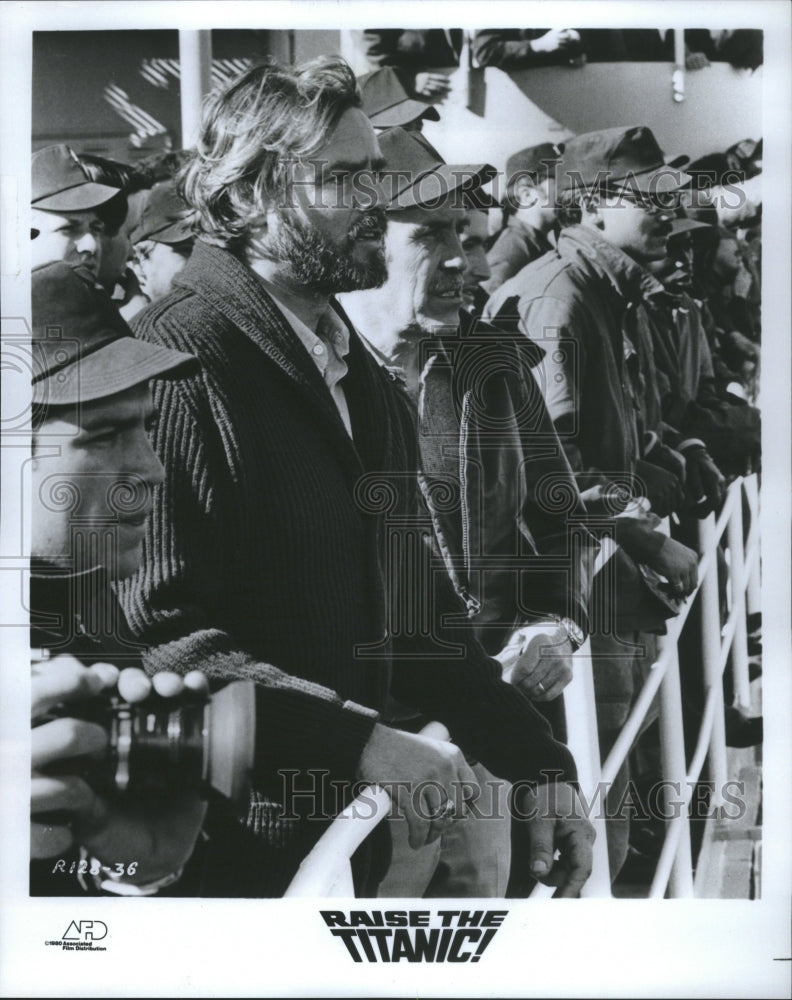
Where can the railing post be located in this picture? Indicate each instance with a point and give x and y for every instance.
(753, 594)
(710, 655)
(739, 648)
(672, 748)
(583, 742)
(678, 74)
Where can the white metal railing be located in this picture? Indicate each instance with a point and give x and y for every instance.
(674, 872)
(326, 870)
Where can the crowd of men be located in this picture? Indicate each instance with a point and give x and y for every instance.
(303, 417)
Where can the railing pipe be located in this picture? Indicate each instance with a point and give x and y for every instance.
(711, 655)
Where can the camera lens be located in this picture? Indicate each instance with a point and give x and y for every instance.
(156, 748)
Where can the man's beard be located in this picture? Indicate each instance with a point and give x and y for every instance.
(326, 267)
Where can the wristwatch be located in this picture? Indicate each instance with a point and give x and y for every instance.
(574, 632)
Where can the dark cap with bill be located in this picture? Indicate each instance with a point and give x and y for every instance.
(415, 174)
(701, 232)
(624, 156)
(59, 183)
(82, 348)
(386, 102)
(537, 161)
(166, 217)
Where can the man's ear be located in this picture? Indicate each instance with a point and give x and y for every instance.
(525, 193)
(134, 260)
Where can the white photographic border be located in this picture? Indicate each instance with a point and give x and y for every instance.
(197, 947)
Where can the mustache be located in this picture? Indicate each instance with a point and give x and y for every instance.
(372, 225)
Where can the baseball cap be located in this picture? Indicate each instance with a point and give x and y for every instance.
(59, 183)
(535, 160)
(419, 177)
(166, 217)
(82, 347)
(618, 155)
(683, 224)
(386, 102)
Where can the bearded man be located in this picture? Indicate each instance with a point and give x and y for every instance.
(269, 545)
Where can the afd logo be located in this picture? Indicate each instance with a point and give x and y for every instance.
(85, 930)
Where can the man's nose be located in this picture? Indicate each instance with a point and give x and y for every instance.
(382, 192)
(455, 262)
(454, 258)
(87, 243)
(155, 472)
(145, 463)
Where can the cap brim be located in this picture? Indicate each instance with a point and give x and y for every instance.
(77, 199)
(176, 232)
(434, 186)
(660, 181)
(687, 225)
(403, 113)
(117, 366)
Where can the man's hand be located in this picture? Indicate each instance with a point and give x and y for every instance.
(661, 488)
(696, 60)
(431, 85)
(706, 486)
(678, 564)
(557, 40)
(668, 459)
(544, 667)
(158, 836)
(430, 779)
(555, 822)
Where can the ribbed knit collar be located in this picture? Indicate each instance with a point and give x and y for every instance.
(222, 279)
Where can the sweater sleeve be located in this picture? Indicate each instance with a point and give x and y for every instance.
(167, 601)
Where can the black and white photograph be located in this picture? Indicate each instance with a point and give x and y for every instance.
(395, 499)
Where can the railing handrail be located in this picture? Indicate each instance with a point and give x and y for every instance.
(326, 871)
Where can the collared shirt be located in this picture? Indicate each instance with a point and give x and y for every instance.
(328, 346)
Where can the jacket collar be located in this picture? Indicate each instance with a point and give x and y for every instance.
(224, 280)
(532, 237)
(587, 248)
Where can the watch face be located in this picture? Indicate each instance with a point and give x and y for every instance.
(574, 631)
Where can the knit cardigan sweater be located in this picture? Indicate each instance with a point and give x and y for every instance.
(281, 549)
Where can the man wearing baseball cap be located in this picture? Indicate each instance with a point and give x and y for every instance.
(591, 306)
(529, 213)
(93, 471)
(415, 325)
(162, 241)
(388, 105)
(65, 224)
